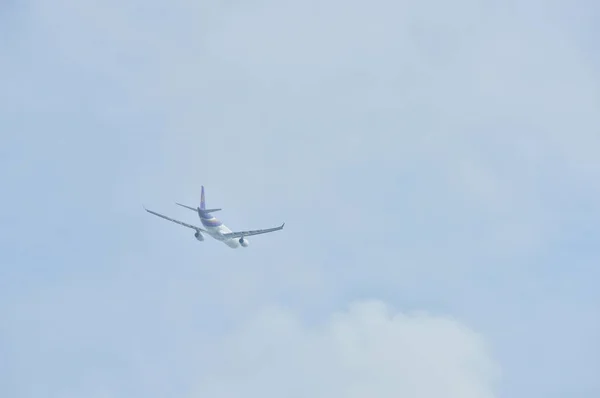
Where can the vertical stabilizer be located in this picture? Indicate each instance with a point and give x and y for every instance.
(202, 201)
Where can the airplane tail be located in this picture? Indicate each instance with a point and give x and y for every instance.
(202, 204)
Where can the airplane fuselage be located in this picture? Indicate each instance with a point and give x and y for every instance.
(216, 229)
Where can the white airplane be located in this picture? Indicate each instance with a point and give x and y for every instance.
(215, 228)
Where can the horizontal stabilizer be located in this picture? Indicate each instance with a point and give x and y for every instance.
(196, 209)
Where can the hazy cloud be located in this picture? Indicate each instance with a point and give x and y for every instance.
(368, 350)
(435, 155)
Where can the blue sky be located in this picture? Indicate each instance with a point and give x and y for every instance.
(436, 165)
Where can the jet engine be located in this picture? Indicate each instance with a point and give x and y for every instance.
(244, 242)
(199, 236)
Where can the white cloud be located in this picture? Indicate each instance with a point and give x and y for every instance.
(367, 351)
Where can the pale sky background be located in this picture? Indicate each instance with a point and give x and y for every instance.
(436, 164)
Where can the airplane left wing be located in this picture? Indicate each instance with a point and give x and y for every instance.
(175, 221)
(233, 235)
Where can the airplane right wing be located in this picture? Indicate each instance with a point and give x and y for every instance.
(176, 221)
(234, 235)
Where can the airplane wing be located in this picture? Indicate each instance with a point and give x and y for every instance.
(233, 235)
(176, 221)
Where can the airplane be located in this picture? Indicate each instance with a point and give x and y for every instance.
(214, 227)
